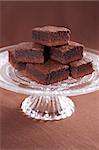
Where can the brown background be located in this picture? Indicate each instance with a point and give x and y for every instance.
(18, 18)
(79, 132)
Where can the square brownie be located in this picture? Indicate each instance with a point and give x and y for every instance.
(67, 53)
(48, 73)
(51, 35)
(29, 52)
(81, 68)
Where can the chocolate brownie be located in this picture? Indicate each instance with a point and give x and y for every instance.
(81, 68)
(29, 52)
(16, 64)
(67, 53)
(47, 73)
(51, 35)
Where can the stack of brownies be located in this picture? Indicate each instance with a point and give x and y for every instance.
(51, 57)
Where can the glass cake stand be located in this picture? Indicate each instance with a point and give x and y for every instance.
(48, 102)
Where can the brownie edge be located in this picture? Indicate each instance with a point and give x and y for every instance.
(29, 52)
(48, 73)
(51, 35)
(81, 68)
(67, 53)
(16, 64)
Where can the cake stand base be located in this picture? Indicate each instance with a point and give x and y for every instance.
(48, 107)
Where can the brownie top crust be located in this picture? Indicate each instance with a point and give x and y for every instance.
(80, 62)
(48, 67)
(29, 46)
(67, 47)
(74, 44)
(25, 45)
(52, 29)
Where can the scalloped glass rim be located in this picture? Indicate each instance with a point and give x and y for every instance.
(54, 89)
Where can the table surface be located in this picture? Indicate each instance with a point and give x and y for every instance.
(79, 132)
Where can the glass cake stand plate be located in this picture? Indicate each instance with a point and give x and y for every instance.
(48, 102)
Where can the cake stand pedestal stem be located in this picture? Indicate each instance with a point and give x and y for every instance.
(48, 107)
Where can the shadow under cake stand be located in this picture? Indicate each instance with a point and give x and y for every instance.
(48, 102)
